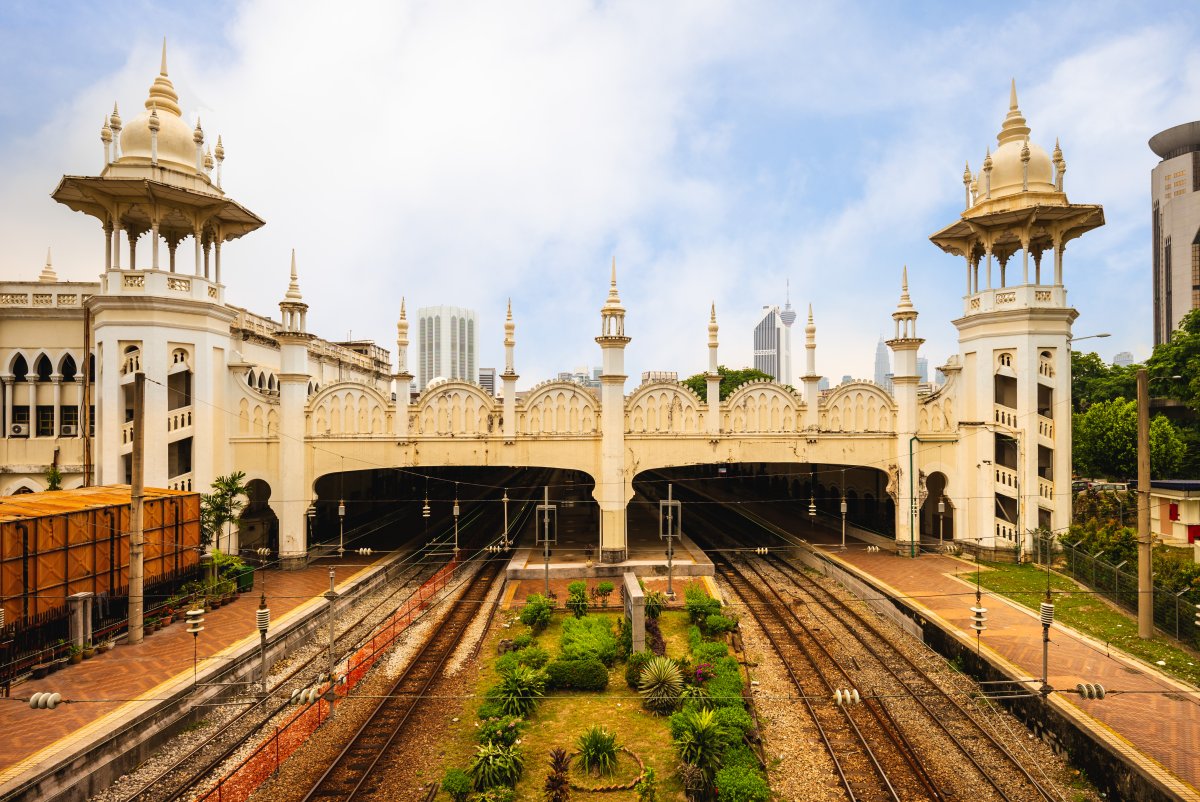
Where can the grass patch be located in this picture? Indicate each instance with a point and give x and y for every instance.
(562, 716)
(1087, 612)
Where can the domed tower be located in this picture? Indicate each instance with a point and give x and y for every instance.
(165, 317)
(1014, 340)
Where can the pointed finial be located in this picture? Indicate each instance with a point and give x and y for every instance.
(115, 119)
(1014, 128)
(905, 301)
(220, 151)
(614, 272)
(293, 292)
(402, 315)
(153, 121)
(966, 172)
(48, 273)
(162, 70)
(712, 314)
(1057, 156)
(106, 131)
(1012, 96)
(810, 314)
(1025, 150)
(508, 314)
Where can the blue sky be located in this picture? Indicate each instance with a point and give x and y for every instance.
(465, 152)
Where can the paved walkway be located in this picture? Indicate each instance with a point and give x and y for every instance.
(104, 689)
(1162, 726)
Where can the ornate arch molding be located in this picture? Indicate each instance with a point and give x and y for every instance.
(559, 407)
(664, 408)
(859, 407)
(763, 406)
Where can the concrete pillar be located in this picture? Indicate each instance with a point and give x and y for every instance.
(80, 621)
(57, 380)
(108, 247)
(293, 492)
(8, 404)
(154, 245)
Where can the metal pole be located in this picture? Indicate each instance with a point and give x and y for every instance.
(455, 511)
(331, 597)
(546, 536)
(137, 494)
(505, 500)
(670, 544)
(262, 619)
(341, 528)
(1145, 571)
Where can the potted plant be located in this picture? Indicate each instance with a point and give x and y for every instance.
(89, 651)
(75, 655)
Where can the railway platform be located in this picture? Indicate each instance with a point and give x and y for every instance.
(108, 692)
(1155, 722)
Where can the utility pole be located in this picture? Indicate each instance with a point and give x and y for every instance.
(545, 533)
(137, 494)
(670, 526)
(1145, 569)
(331, 597)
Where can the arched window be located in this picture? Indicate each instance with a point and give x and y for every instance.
(44, 369)
(20, 368)
(67, 369)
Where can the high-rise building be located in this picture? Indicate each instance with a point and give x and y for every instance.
(883, 365)
(487, 380)
(923, 369)
(1123, 360)
(446, 344)
(1175, 226)
(773, 342)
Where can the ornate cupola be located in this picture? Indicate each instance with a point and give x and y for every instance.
(612, 316)
(292, 307)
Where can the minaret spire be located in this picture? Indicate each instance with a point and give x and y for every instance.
(48, 273)
(162, 70)
(293, 292)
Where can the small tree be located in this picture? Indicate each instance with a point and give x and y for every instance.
(604, 590)
(222, 506)
(53, 478)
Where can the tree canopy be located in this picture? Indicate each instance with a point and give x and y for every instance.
(730, 380)
(1105, 442)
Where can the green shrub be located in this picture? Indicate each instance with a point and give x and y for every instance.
(577, 603)
(577, 588)
(695, 639)
(740, 784)
(660, 685)
(457, 783)
(496, 765)
(701, 741)
(740, 755)
(726, 685)
(522, 641)
(624, 639)
(532, 656)
(589, 637)
(699, 605)
(504, 731)
(735, 720)
(597, 750)
(536, 612)
(488, 710)
(518, 691)
(655, 602)
(647, 786)
(604, 590)
(495, 795)
(506, 662)
(698, 696)
(717, 624)
(710, 651)
(588, 674)
(633, 668)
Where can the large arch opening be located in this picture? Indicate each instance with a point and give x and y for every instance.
(258, 526)
(384, 508)
(937, 523)
(801, 499)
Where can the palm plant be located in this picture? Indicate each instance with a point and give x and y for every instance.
(660, 685)
(597, 750)
(518, 691)
(701, 741)
(558, 782)
(222, 506)
(496, 765)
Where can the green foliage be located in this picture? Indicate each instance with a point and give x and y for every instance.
(585, 675)
(740, 754)
(495, 765)
(699, 605)
(577, 588)
(577, 600)
(558, 780)
(1105, 442)
(740, 784)
(726, 684)
(604, 590)
(1179, 357)
(504, 730)
(597, 750)
(227, 565)
(660, 685)
(633, 668)
(655, 602)
(701, 741)
(518, 691)
(1093, 380)
(588, 637)
(718, 624)
(496, 794)
(730, 380)
(222, 506)
(536, 612)
(696, 696)
(533, 656)
(489, 710)
(710, 651)
(457, 783)
(735, 721)
(695, 639)
(522, 641)
(646, 787)
(53, 478)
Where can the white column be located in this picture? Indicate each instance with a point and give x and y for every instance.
(57, 379)
(989, 268)
(154, 245)
(292, 492)
(155, 363)
(1025, 262)
(217, 263)
(32, 395)
(108, 247)
(8, 404)
(132, 251)
(1058, 263)
(199, 263)
(116, 242)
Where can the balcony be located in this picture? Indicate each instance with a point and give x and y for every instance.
(127, 434)
(162, 283)
(179, 422)
(1045, 490)
(1006, 531)
(181, 482)
(1006, 481)
(1005, 416)
(1024, 296)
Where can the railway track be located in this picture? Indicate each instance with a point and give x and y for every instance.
(352, 773)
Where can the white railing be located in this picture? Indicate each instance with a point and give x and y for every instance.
(1046, 368)
(181, 482)
(1023, 296)
(1006, 477)
(1046, 489)
(132, 363)
(1045, 427)
(1006, 416)
(179, 419)
(1005, 530)
(126, 433)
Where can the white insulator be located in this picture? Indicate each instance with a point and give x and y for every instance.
(1090, 690)
(262, 617)
(264, 552)
(1047, 614)
(978, 618)
(366, 552)
(1, 616)
(761, 550)
(44, 700)
(846, 696)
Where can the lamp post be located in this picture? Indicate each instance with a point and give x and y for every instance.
(341, 528)
(331, 597)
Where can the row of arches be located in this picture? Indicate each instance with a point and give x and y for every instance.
(42, 368)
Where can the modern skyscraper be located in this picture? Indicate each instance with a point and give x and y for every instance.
(923, 369)
(883, 364)
(487, 380)
(773, 342)
(446, 344)
(1175, 194)
(1123, 360)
